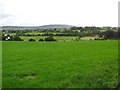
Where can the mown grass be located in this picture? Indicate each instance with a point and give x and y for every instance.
(84, 64)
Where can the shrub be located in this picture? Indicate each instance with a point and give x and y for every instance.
(96, 39)
(31, 39)
(41, 39)
(50, 38)
(17, 38)
(28, 35)
(38, 35)
(99, 39)
(109, 35)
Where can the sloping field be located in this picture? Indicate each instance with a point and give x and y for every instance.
(84, 64)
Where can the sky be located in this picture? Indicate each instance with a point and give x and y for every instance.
(72, 12)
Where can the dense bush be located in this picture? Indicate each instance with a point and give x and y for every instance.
(17, 38)
(31, 39)
(110, 34)
(99, 39)
(41, 39)
(11, 38)
(38, 35)
(50, 38)
(118, 35)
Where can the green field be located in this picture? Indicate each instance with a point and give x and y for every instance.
(59, 38)
(83, 64)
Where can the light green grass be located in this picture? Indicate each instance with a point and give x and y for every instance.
(85, 64)
(89, 38)
(59, 38)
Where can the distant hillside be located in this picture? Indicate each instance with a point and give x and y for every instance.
(55, 26)
(36, 27)
(18, 28)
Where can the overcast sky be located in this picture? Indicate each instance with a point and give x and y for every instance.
(71, 12)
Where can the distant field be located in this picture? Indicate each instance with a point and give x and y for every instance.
(84, 64)
(89, 38)
(59, 38)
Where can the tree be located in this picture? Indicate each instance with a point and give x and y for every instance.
(110, 34)
(20, 33)
(118, 33)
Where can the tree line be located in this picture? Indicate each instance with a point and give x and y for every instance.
(17, 38)
(104, 32)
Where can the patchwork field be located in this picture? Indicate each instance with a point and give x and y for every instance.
(59, 38)
(83, 64)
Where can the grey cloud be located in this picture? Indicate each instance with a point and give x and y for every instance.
(4, 16)
(6, 19)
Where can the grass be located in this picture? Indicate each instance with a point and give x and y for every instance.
(84, 64)
(89, 37)
(59, 38)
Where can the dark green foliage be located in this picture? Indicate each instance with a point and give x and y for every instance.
(76, 28)
(110, 34)
(102, 32)
(4, 37)
(118, 33)
(77, 39)
(41, 39)
(20, 33)
(38, 35)
(17, 38)
(50, 38)
(11, 38)
(28, 35)
(31, 39)
(98, 39)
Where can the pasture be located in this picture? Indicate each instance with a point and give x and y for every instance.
(83, 64)
(59, 38)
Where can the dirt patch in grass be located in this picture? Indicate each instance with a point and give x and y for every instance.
(30, 76)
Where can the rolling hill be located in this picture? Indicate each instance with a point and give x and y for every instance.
(52, 26)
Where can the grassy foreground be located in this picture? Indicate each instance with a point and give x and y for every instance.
(84, 64)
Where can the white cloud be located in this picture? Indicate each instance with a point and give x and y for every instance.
(73, 12)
